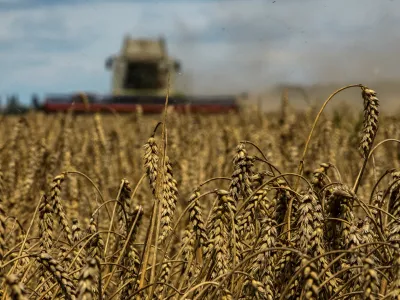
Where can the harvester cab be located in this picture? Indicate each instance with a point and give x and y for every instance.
(142, 68)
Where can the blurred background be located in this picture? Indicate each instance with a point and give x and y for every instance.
(259, 47)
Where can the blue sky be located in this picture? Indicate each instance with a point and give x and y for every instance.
(49, 46)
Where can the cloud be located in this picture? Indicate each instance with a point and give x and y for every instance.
(225, 46)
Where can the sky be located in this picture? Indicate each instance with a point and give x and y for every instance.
(225, 46)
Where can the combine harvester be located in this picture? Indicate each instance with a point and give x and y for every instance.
(140, 80)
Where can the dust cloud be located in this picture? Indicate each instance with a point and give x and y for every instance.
(312, 47)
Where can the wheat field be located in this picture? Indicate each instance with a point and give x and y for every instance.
(253, 205)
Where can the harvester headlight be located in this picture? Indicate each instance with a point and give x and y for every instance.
(162, 66)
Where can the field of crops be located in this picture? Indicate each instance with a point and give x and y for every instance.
(180, 206)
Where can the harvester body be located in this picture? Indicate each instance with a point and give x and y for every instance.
(142, 72)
